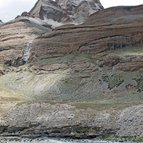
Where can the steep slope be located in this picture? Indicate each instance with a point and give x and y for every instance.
(15, 36)
(75, 11)
(117, 15)
(90, 75)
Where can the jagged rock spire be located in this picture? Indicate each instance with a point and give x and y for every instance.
(75, 11)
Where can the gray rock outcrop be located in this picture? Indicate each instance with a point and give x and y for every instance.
(65, 11)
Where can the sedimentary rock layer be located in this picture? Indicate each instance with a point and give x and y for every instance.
(102, 31)
(14, 37)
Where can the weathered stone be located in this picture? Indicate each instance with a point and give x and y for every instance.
(96, 67)
(95, 36)
(14, 38)
(65, 10)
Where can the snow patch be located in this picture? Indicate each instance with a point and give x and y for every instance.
(52, 23)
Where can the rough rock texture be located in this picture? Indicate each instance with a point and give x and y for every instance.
(93, 61)
(94, 68)
(130, 122)
(75, 11)
(55, 120)
(67, 121)
(14, 36)
(102, 31)
(117, 15)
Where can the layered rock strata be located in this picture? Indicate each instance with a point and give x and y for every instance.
(90, 75)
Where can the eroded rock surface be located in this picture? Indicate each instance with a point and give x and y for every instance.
(64, 120)
(102, 31)
(14, 38)
(130, 122)
(91, 73)
(74, 11)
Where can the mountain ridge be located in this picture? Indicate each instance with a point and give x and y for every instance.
(64, 11)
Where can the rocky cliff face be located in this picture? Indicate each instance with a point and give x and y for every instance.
(102, 31)
(96, 67)
(64, 11)
(1, 22)
(15, 37)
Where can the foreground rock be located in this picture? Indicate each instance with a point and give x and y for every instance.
(49, 140)
(62, 120)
